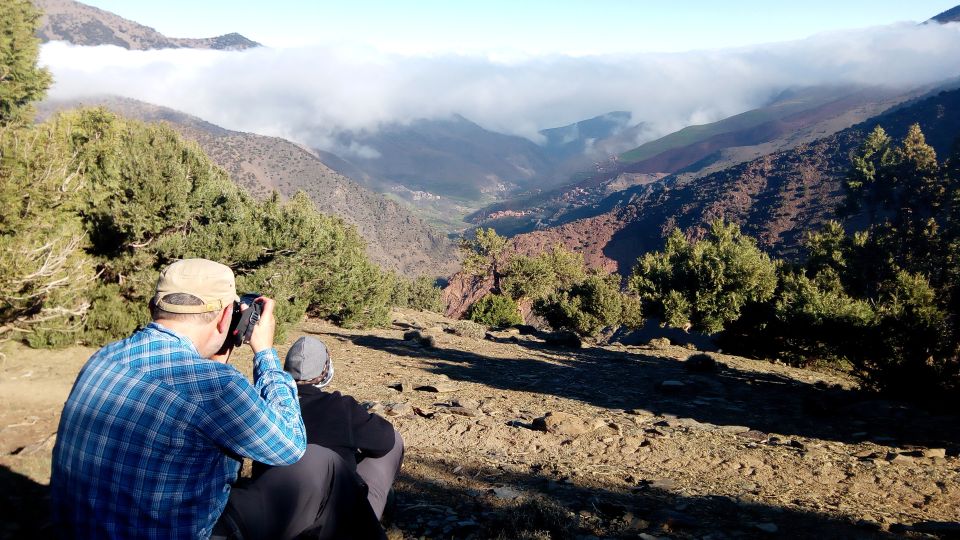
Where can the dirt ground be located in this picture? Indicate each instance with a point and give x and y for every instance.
(509, 437)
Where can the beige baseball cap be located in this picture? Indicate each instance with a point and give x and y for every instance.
(211, 282)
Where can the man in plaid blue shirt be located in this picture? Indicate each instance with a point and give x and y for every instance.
(152, 433)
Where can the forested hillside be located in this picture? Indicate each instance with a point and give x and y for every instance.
(777, 198)
(396, 239)
(97, 205)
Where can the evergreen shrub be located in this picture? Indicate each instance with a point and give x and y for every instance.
(495, 310)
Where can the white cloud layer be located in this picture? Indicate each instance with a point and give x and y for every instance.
(307, 94)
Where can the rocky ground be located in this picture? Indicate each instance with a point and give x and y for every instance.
(511, 437)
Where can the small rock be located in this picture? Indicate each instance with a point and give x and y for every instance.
(767, 527)
(659, 343)
(672, 386)
(690, 423)
(665, 484)
(900, 458)
(400, 409)
(934, 452)
(753, 435)
(424, 412)
(505, 493)
(468, 329)
(398, 386)
(561, 423)
(463, 411)
(466, 403)
(374, 407)
(734, 429)
(634, 442)
(439, 386)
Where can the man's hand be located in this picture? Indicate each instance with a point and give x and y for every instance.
(262, 337)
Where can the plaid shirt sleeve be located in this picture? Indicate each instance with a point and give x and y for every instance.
(262, 422)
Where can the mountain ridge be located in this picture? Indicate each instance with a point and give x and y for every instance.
(794, 117)
(777, 197)
(462, 158)
(950, 15)
(81, 24)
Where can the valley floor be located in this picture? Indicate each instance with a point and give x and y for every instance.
(748, 450)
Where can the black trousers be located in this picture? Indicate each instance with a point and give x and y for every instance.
(317, 497)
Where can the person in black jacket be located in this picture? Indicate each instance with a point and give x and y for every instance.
(367, 442)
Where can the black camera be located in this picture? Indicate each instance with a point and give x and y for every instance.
(243, 321)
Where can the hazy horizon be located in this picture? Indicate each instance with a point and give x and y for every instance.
(310, 94)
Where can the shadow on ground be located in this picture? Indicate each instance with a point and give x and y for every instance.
(628, 380)
(24, 507)
(535, 505)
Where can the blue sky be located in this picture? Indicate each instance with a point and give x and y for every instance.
(521, 27)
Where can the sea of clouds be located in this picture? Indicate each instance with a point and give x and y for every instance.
(310, 94)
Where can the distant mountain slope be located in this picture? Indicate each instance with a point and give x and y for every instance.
(788, 115)
(449, 157)
(447, 168)
(396, 239)
(795, 117)
(776, 198)
(583, 137)
(80, 24)
(950, 15)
